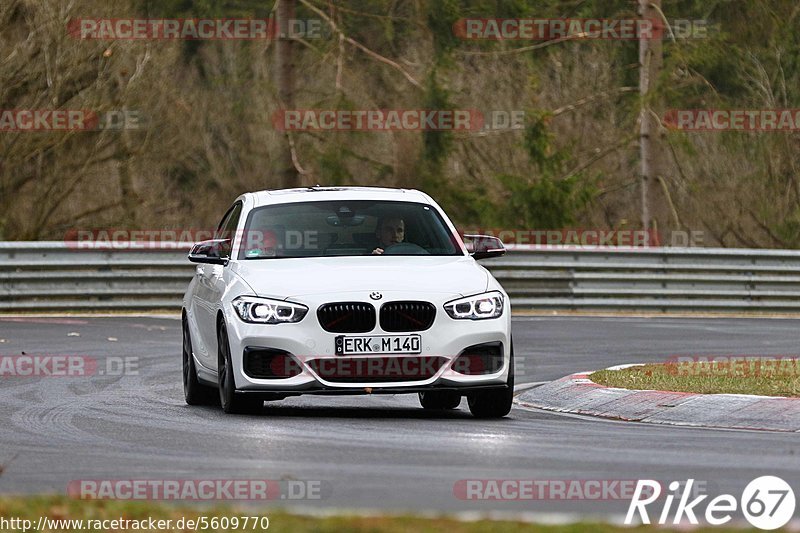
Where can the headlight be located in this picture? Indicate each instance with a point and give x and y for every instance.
(265, 311)
(478, 307)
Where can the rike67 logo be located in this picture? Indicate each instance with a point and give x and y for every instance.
(768, 502)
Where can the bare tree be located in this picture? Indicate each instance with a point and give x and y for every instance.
(284, 80)
(650, 60)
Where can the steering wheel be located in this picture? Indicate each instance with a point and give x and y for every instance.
(405, 248)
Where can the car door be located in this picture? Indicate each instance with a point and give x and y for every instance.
(210, 287)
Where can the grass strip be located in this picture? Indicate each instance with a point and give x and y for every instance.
(745, 375)
(64, 508)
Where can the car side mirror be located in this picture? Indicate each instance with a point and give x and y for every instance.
(211, 252)
(485, 246)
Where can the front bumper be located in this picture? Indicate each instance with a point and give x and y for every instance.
(278, 394)
(308, 342)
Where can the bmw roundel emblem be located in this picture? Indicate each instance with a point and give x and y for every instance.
(375, 295)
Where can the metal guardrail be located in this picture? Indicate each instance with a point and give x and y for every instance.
(652, 279)
(49, 276)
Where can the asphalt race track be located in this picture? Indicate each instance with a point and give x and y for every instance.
(379, 452)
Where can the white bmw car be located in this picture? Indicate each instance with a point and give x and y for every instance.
(350, 290)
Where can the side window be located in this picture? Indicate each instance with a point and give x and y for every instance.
(227, 227)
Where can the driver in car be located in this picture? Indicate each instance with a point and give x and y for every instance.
(390, 231)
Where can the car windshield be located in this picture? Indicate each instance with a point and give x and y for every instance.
(346, 228)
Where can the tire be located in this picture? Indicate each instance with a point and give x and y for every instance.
(228, 399)
(439, 400)
(194, 392)
(494, 403)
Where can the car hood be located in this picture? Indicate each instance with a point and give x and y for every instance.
(287, 278)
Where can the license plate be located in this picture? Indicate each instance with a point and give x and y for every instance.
(378, 344)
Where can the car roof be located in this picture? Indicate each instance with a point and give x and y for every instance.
(317, 193)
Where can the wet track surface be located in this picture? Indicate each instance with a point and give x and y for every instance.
(378, 452)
